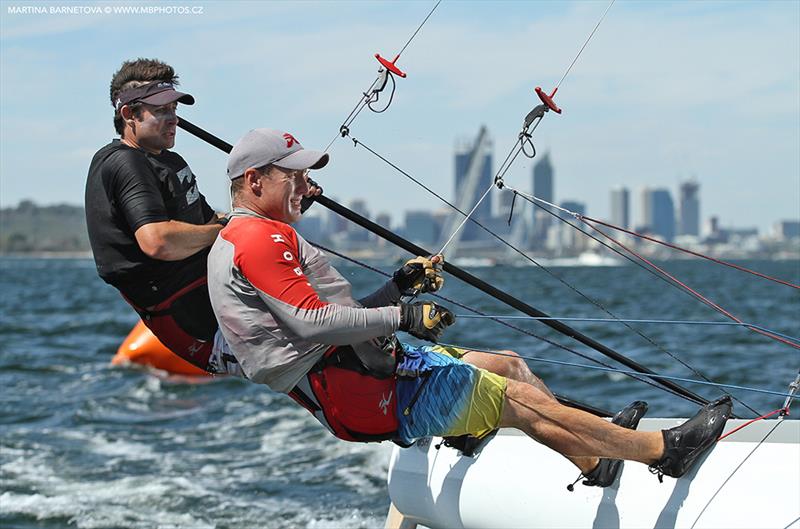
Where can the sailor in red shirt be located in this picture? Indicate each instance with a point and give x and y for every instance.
(290, 320)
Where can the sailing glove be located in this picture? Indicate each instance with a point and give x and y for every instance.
(419, 275)
(425, 320)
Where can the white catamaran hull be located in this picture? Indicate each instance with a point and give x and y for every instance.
(517, 482)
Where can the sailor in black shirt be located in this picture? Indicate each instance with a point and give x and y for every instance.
(149, 226)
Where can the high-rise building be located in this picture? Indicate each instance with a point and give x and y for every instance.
(620, 207)
(689, 220)
(658, 213)
(568, 237)
(336, 224)
(310, 227)
(384, 219)
(422, 227)
(542, 188)
(355, 232)
(786, 229)
(473, 175)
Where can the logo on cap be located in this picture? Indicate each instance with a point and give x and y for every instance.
(289, 140)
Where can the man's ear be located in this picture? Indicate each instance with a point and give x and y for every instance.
(126, 112)
(254, 180)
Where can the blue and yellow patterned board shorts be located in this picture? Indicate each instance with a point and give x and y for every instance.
(453, 398)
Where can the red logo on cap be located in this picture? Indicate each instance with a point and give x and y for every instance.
(289, 140)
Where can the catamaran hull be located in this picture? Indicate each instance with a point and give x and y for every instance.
(746, 481)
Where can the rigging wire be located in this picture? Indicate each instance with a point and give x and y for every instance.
(673, 280)
(622, 320)
(585, 218)
(371, 95)
(468, 278)
(594, 302)
(584, 45)
(624, 371)
(691, 252)
(735, 470)
(534, 118)
(510, 326)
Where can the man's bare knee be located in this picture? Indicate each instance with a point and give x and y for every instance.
(507, 364)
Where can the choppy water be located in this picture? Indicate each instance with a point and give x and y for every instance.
(87, 445)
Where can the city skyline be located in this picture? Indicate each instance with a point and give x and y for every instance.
(535, 229)
(636, 111)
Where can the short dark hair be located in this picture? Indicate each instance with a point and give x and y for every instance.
(136, 73)
(238, 183)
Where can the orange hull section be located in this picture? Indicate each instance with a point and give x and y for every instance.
(142, 347)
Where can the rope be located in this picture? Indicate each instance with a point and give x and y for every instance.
(418, 28)
(367, 99)
(674, 281)
(735, 470)
(506, 324)
(690, 252)
(624, 371)
(469, 216)
(550, 272)
(751, 421)
(525, 135)
(600, 241)
(584, 44)
(622, 320)
(695, 293)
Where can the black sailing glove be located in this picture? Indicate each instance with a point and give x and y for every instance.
(425, 320)
(306, 201)
(419, 275)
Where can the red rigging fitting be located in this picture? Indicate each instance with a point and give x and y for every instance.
(548, 99)
(390, 65)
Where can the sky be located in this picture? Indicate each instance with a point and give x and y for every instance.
(664, 92)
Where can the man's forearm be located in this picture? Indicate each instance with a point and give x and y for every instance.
(174, 240)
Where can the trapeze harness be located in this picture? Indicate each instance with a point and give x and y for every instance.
(185, 323)
(352, 394)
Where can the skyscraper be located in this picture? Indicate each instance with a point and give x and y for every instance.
(689, 223)
(354, 232)
(568, 237)
(421, 227)
(474, 157)
(659, 212)
(542, 188)
(620, 207)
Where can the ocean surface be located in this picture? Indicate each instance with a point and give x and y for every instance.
(84, 444)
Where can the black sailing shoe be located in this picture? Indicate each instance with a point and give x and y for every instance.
(684, 444)
(606, 470)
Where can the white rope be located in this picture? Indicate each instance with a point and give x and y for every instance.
(441, 252)
(542, 201)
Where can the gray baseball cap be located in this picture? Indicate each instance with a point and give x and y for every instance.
(261, 147)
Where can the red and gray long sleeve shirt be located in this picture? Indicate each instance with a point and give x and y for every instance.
(281, 305)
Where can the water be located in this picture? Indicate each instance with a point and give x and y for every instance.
(87, 445)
